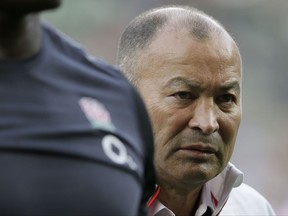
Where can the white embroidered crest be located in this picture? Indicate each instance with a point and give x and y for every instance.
(96, 113)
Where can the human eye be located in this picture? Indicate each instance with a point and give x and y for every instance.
(226, 99)
(182, 95)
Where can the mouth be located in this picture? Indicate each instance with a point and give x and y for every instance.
(199, 151)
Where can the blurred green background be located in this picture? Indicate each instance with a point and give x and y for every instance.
(260, 27)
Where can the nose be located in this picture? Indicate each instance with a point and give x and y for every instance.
(204, 117)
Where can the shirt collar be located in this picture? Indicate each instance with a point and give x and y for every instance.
(158, 209)
(214, 193)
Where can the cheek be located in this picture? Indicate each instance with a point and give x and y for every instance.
(164, 129)
(229, 129)
(158, 126)
(166, 125)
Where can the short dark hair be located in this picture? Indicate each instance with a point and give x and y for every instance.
(140, 32)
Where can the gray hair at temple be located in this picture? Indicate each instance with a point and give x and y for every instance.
(141, 31)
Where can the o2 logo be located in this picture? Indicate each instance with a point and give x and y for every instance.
(117, 152)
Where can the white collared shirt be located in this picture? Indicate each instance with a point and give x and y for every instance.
(243, 200)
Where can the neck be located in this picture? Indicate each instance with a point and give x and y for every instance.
(20, 36)
(182, 202)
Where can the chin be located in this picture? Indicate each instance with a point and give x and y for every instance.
(204, 173)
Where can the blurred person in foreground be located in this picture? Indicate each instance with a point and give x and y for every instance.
(188, 69)
(75, 137)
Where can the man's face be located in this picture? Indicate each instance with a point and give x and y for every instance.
(192, 92)
(27, 6)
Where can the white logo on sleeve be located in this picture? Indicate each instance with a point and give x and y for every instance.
(117, 152)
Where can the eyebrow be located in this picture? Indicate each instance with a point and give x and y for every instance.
(234, 85)
(197, 86)
(180, 82)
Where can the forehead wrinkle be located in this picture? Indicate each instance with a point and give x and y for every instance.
(161, 61)
(181, 81)
(188, 58)
(170, 59)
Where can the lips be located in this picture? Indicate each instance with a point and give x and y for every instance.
(205, 148)
(198, 152)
